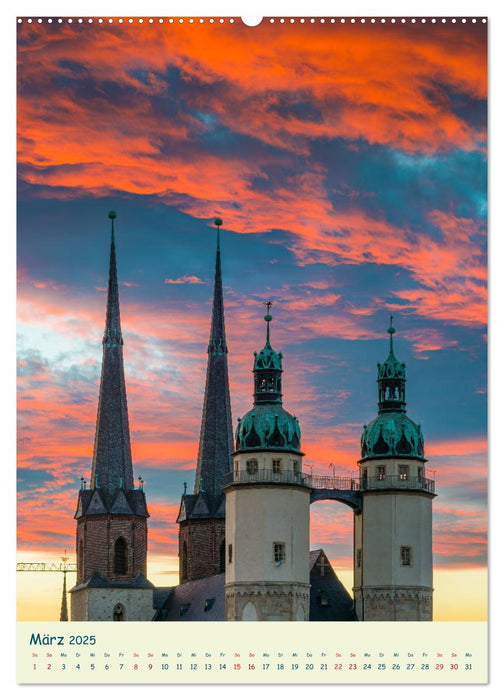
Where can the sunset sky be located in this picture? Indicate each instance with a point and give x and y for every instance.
(348, 163)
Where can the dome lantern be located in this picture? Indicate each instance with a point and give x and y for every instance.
(392, 433)
(391, 380)
(268, 425)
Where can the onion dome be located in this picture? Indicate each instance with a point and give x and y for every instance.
(268, 425)
(392, 433)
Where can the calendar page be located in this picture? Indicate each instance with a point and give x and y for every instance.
(252, 323)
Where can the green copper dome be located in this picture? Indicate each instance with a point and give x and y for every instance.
(392, 435)
(268, 425)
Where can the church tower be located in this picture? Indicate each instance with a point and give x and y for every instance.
(111, 513)
(202, 513)
(393, 531)
(267, 506)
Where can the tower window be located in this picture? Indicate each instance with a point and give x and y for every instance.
(252, 466)
(230, 553)
(120, 556)
(277, 466)
(278, 552)
(403, 472)
(405, 556)
(359, 558)
(295, 466)
(119, 612)
(381, 473)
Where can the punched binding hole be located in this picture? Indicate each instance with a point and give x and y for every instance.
(251, 21)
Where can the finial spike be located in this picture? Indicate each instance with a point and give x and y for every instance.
(112, 215)
(218, 223)
(268, 304)
(391, 331)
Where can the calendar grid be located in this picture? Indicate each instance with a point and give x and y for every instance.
(242, 653)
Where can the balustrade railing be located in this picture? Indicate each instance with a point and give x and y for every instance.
(331, 483)
(268, 476)
(336, 483)
(411, 483)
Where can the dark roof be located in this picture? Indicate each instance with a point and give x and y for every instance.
(97, 580)
(329, 599)
(195, 601)
(197, 506)
(216, 434)
(95, 501)
(161, 596)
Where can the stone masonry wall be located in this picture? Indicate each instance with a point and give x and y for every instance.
(393, 604)
(271, 601)
(97, 604)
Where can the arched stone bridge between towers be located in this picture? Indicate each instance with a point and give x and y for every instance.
(347, 490)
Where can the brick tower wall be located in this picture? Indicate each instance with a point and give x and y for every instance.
(203, 539)
(99, 533)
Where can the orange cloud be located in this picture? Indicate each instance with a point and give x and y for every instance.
(186, 279)
(342, 74)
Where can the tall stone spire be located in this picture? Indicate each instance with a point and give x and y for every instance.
(112, 467)
(201, 515)
(111, 513)
(216, 435)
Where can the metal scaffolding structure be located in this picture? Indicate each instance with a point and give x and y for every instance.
(44, 567)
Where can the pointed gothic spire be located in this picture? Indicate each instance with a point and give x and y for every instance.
(216, 435)
(113, 320)
(112, 465)
(64, 606)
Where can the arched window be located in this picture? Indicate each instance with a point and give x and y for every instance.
(120, 556)
(119, 612)
(249, 613)
(183, 563)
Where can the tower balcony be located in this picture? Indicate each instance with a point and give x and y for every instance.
(268, 476)
(397, 482)
(321, 484)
